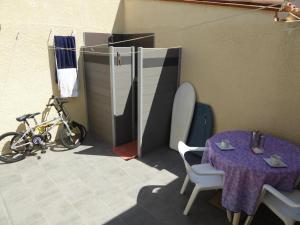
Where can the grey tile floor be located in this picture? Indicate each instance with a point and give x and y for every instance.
(91, 186)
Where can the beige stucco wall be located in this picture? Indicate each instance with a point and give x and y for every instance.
(26, 65)
(247, 68)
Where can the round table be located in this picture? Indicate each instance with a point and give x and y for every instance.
(246, 172)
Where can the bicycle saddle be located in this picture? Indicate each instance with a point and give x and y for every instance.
(27, 116)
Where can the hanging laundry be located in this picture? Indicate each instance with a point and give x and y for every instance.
(66, 66)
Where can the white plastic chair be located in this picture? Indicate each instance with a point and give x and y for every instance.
(204, 176)
(286, 205)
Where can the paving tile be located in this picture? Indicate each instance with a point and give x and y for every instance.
(93, 211)
(39, 220)
(17, 196)
(9, 181)
(21, 207)
(74, 191)
(61, 176)
(115, 199)
(67, 220)
(60, 212)
(45, 192)
(4, 218)
(32, 174)
(137, 216)
(114, 221)
(91, 186)
(28, 218)
(8, 169)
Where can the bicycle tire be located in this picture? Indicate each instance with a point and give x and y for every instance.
(82, 130)
(13, 156)
(68, 141)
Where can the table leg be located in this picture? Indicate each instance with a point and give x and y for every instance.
(236, 218)
(229, 216)
(248, 220)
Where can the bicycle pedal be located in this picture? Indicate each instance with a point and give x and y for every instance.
(30, 153)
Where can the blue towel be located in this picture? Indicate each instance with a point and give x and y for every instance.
(66, 66)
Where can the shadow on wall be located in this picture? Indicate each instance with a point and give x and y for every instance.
(124, 130)
(157, 129)
(119, 23)
(21, 127)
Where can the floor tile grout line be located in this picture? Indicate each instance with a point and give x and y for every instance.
(6, 210)
(119, 209)
(72, 204)
(57, 186)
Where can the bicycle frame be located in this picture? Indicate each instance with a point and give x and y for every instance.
(31, 129)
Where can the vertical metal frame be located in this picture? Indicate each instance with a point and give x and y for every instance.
(112, 91)
(85, 92)
(134, 91)
(140, 103)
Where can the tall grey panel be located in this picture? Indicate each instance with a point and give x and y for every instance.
(98, 91)
(122, 61)
(90, 38)
(158, 79)
(145, 40)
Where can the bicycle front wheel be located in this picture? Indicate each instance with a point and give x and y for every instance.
(71, 140)
(12, 147)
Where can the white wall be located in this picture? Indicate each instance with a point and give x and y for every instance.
(247, 67)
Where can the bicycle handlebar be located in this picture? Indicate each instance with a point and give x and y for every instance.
(58, 104)
(59, 100)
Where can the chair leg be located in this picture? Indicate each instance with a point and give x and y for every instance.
(248, 220)
(229, 216)
(191, 200)
(185, 183)
(290, 223)
(236, 218)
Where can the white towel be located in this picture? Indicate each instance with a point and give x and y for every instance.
(67, 82)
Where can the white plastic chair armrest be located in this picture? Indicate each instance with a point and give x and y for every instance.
(280, 196)
(207, 172)
(183, 148)
(200, 149)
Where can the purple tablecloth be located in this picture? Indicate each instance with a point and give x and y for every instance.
(246, 173)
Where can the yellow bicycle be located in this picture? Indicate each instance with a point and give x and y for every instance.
(15, 146)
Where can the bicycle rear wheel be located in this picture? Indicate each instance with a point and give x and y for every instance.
(72, 140)
(82, 130)
(10, 153)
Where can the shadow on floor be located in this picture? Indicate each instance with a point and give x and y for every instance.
(162, 204)
(96, 147)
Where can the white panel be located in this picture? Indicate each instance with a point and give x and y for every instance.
(140, 101)
(122, 81)
(154, 53)
(182, 114)
(154, 81)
